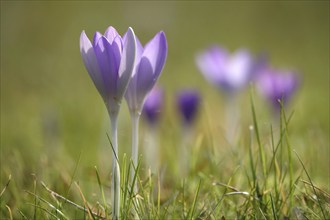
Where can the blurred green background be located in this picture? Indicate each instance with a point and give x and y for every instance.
(48, 101)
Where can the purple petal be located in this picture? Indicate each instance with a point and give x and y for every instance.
(211, 63)
(144, 78)
(139, 49)
(111, 33)
(156, 51)
(239, 69)
(108, 58)
(96, 37)
(188, 102)
(153, 105)
(277, 85)
(90, 62)
(127, 62)
(151, 63)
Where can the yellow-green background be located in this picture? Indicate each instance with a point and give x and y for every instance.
(48, 100)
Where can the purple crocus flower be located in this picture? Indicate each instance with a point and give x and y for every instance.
(149, 65)
(150, 61)
(153, 105)
(109, 60)
(229, 72)
(188, 102)
(277, 85)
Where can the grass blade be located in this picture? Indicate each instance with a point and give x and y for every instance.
(101, 189)
(261, 149)
(191, 212)
(313, 187)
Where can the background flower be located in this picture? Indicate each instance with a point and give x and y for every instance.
(153, 105)
(277, 85)
(188, 103)
(230, 72)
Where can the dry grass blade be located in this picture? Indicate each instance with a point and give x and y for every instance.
(69, 201)
(84, 200)
(7, 184)
(10, 212)
(319, 189)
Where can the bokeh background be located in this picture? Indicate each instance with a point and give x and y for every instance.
(50, 109)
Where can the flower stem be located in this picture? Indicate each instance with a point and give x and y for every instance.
(135, 116)
(185, 151)
(115, 189)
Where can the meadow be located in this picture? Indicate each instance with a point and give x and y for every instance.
(55, 152)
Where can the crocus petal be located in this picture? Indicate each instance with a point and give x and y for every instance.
(96, 38)
(111, 33)
(147, 71)
(153, 105)
(145, 79)
(239, 69)
(151, 63)
(90, 62)
(107, 60)
(187, 102)
(211, 63)
(156, 52)
(139, 49)
(277, 85)
(127, 62)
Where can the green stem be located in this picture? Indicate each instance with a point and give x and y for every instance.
(115, 189)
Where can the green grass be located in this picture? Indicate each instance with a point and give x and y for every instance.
(256, 181)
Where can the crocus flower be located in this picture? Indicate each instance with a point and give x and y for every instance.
(151, 111)
(188, 102)
(110, 61)
(150, 62)
(229, 72)
(153, 105)
(149, 65)
(277, 85)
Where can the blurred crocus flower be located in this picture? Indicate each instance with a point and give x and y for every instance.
(277, 85)
(109, 60)
(153, 105)
(188, 103)
(229, 72)
(149, 65)
(151, 111)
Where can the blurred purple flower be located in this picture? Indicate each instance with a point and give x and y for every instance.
(277, 85)
(150, 61)
(229, 72)
(188, 102)
(153, 105)
(110, 61)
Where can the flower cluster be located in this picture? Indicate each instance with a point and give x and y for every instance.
(233, 72)
(121, 66)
